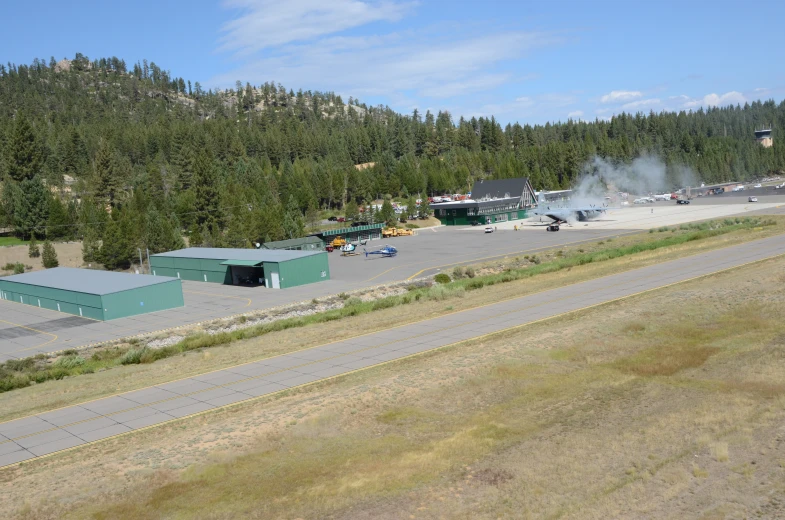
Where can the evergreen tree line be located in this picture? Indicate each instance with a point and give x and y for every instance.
(132, 157)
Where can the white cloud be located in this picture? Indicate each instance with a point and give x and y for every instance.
(714, 100)
(575, 114)
(267, 23)
(393, 63)
(620, 96)
(642, 103)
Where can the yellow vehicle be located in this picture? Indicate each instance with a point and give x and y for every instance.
(338, 241)
(405, 232)
(389, 232)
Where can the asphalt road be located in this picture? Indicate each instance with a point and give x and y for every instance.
(57, 430)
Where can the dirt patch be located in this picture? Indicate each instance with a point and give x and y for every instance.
(69, 254)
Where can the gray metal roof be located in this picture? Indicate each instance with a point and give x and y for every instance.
(221, 253)
(499, 189)
(88, 281)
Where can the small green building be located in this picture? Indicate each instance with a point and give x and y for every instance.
(352, 234)
(100, 295)
(277, 269)
(491, 202)
(311, 243)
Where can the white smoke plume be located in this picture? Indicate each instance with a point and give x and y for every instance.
(645, 175)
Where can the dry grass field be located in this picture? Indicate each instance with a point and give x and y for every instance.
(664, 405)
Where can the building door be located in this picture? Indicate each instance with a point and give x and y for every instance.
(276, 282)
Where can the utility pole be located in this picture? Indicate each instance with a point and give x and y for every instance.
(141, 263)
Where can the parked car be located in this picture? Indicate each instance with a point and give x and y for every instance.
(682, 201)
(752, 199)
(333, 219)
(489, 229)
(340, 219)
(758, 185)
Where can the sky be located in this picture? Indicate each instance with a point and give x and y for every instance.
(525, 61)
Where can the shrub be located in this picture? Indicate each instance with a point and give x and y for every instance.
(132, 356)
(442, 278)
(457, 273)
(49, 256)
(470, 272)
(354, 301)
(475, 284)
(70, 361)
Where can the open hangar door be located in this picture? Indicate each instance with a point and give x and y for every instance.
(244, 272)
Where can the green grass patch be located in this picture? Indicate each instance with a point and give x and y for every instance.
(12, 241)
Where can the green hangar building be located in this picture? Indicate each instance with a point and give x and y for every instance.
(100, 295)
(274, 268)
(491, 202)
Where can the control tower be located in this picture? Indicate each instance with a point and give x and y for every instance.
(764, 137)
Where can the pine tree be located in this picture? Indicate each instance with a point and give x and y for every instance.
(49, 256)
(387, 213)
(106, 175)
(32, 250)
(32, 209)
(117, 249)
(206, 191)
(195, 238)
(90, 247)
(293, 225)
(25, 158)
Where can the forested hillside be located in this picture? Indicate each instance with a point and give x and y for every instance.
(247, 164)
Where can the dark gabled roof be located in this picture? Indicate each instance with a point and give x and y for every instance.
(499, 189)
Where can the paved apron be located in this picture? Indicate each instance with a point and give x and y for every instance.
(49, 432)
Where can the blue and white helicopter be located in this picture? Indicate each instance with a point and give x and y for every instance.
(388, 251)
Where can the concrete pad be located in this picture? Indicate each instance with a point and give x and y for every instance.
(330, 372)
(280, 362)
(280, 376)
(87, 426)
(13, 458)
(58, 445)
(190, 409)
(389, 356)
(68, 415)
(150, 395)
(257, 369)
(109, 405)
(314, 354)
(174, 403)
(223, 377)
(265, 388)
(104, 433)
(346, 358)
(300, 380)
(186, 386)
(211, 394)
(25, 426)
(232, 398)
(345, 348)
(150, 420)
(9, 447)
(361, 363)
(314, 367)
(130, 415)
(42, 438)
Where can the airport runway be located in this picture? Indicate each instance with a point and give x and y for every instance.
(50, 432)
